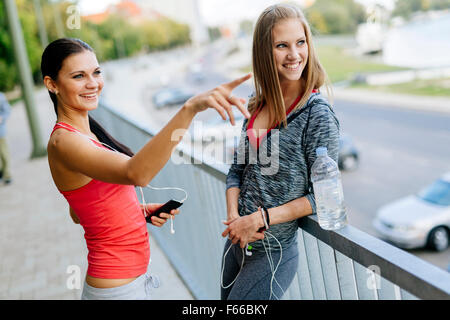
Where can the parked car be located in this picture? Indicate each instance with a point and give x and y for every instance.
(171, 96)
(420, 220)
(348, 158)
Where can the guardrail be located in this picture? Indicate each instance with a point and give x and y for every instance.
(344, 264)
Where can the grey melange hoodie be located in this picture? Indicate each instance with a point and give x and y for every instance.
(279, 172)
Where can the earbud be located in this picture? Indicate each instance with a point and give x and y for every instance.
(248, 253)
(172, 231)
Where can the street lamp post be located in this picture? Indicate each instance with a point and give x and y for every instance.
(41, 24)
(24, 69)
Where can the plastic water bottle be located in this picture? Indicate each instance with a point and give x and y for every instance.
(328, 192)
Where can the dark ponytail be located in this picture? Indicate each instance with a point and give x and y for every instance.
(106, 138)
(52, 59)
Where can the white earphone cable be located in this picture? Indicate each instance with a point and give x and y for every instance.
(140, 188)
(223, 267)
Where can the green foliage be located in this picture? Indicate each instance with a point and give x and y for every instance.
(114, 38)
(405, 8)
(335, 16)
(8, 70)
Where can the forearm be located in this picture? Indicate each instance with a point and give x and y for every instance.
(232, 196)
(290, 211)
(154, 155)
(146, 163)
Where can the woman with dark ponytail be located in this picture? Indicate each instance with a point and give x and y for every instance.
(98, 182)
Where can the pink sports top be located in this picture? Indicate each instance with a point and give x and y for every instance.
(114, 224)
(252, 138)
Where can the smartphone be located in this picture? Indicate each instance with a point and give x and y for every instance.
(167, 207)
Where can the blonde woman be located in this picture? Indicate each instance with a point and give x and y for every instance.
(290, 117)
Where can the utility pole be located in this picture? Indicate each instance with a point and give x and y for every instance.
(58, 21)
(41, 24)
(23, 66)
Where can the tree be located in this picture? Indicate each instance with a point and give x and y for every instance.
(8, 71)
(335, 16)
(405, 8)
(114, 38)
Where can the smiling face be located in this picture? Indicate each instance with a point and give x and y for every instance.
(79, 82)
(290, 49)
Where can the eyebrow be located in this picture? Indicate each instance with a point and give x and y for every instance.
(301, 38)
(82, 71)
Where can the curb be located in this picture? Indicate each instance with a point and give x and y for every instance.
(412, 102)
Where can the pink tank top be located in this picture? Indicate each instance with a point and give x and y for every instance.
(114, 224)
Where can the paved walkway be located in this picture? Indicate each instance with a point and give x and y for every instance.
(38, 240)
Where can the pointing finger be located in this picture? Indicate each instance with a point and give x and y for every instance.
(233, 84)
(238, 103)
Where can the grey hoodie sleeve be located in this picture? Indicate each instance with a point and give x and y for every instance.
(234, 176)
(323, 131)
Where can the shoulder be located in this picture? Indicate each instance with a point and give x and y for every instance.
(320, 108)
(63, 143)
(319, 103)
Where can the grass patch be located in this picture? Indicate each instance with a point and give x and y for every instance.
(341, 66)
(429, 87)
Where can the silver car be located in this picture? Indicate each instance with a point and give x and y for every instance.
(417, 221)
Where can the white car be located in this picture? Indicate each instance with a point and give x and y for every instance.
(417, 221)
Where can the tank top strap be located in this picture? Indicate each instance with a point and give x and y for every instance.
(64, 125)
(68, 127)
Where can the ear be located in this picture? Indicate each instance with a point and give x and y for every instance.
(50, 84)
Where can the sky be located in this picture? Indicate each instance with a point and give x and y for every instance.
(216, 11)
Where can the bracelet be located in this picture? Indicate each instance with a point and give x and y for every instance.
(267, 216)
(263, 228)
(264, 216)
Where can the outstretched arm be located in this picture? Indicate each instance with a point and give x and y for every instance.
(79, 155)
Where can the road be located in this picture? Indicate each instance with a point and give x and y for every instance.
(401, 150)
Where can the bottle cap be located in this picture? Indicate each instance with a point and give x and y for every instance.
(321, 151)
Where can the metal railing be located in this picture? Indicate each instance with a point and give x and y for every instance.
(344, 264)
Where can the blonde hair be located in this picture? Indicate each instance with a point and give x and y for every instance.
(267, 82)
